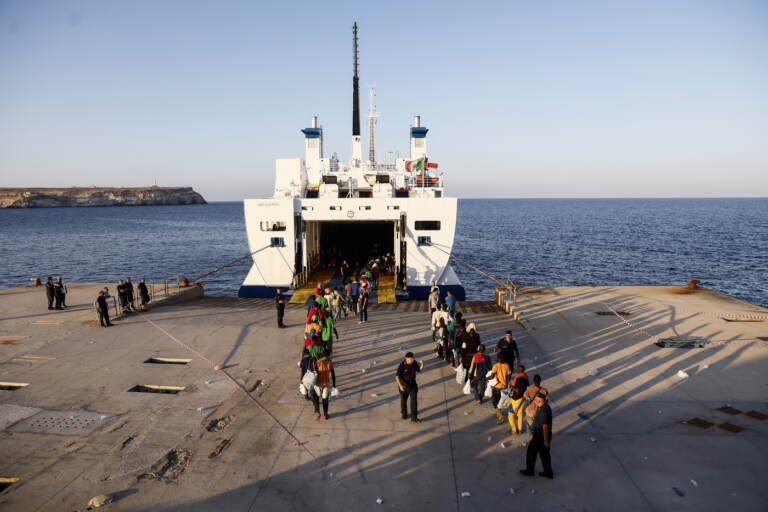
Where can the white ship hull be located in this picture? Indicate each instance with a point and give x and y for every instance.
(307, 226)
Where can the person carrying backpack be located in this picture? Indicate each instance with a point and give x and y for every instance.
(517, 401)
(480, 366)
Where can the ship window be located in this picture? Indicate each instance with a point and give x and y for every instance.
(335, 207)
(395, 207)
(438, 193)
(277, 242)
(307, 207)
(428, 225)
(365, 208)
(272, 225)
(424, 240)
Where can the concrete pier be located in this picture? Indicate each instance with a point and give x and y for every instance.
(625, 437)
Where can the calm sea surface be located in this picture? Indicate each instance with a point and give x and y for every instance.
(721, 242)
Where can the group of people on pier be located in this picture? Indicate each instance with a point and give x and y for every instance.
(126, 297)
(516, 399)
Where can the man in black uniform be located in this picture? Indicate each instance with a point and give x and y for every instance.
(280, 305)
(103, 310)
(58, 292)
(129, 292)
(49, 292)
(508, 348)
(143, 294)
(406, 381)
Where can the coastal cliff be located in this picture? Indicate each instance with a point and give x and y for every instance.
(97, 196)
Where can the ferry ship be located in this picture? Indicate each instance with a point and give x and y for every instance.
(323, 212)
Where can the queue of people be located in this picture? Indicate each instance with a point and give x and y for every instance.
(500, 376)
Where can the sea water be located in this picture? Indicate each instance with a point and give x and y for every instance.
(721, 242)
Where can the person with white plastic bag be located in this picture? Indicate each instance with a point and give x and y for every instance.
(326, 380)
(304, 365)
(502, 373)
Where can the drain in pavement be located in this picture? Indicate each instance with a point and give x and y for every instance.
(756, 415)
(730, 427)
(698, 422)
(69, 423)
(151, 388)
(166, 360)
(729, 410)
(7, 481)
(12, 386)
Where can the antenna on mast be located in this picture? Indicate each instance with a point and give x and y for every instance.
(372, 115)
(355, 86)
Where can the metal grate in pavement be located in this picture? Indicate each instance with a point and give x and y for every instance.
(71, 423)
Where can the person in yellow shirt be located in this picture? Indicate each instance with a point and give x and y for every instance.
(517, 401)
(502, 373)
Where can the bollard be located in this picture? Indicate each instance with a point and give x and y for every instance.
(183, 282)
(35, 281)
(692, 284)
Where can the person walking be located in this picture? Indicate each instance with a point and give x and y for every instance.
(541, 440)
(58, 292)
(328, 330)
(502, 373)
(406, 382)
(306, 363)
(478, 369)
(530, 396)
(507, 346)
(517, 401)
(280, 306)
(354, 292)
(326, 379)
(143, 294)
(432, 301)
(103, 309)
(471, 341)
(344, 271)
(450, 301)
(362, 305)
(49, 293)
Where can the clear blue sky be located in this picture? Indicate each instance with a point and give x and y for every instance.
(523, 99)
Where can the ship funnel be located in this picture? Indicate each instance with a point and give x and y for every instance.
(314, 122)
(417, 121)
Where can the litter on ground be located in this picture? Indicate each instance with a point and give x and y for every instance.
(682, 374)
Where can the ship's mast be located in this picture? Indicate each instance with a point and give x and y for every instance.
(372, 115)
(357, 152)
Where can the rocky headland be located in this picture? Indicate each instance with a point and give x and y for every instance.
(97, 196)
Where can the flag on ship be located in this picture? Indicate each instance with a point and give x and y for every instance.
(415, 165)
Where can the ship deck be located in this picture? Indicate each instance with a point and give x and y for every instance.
(623, 437)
